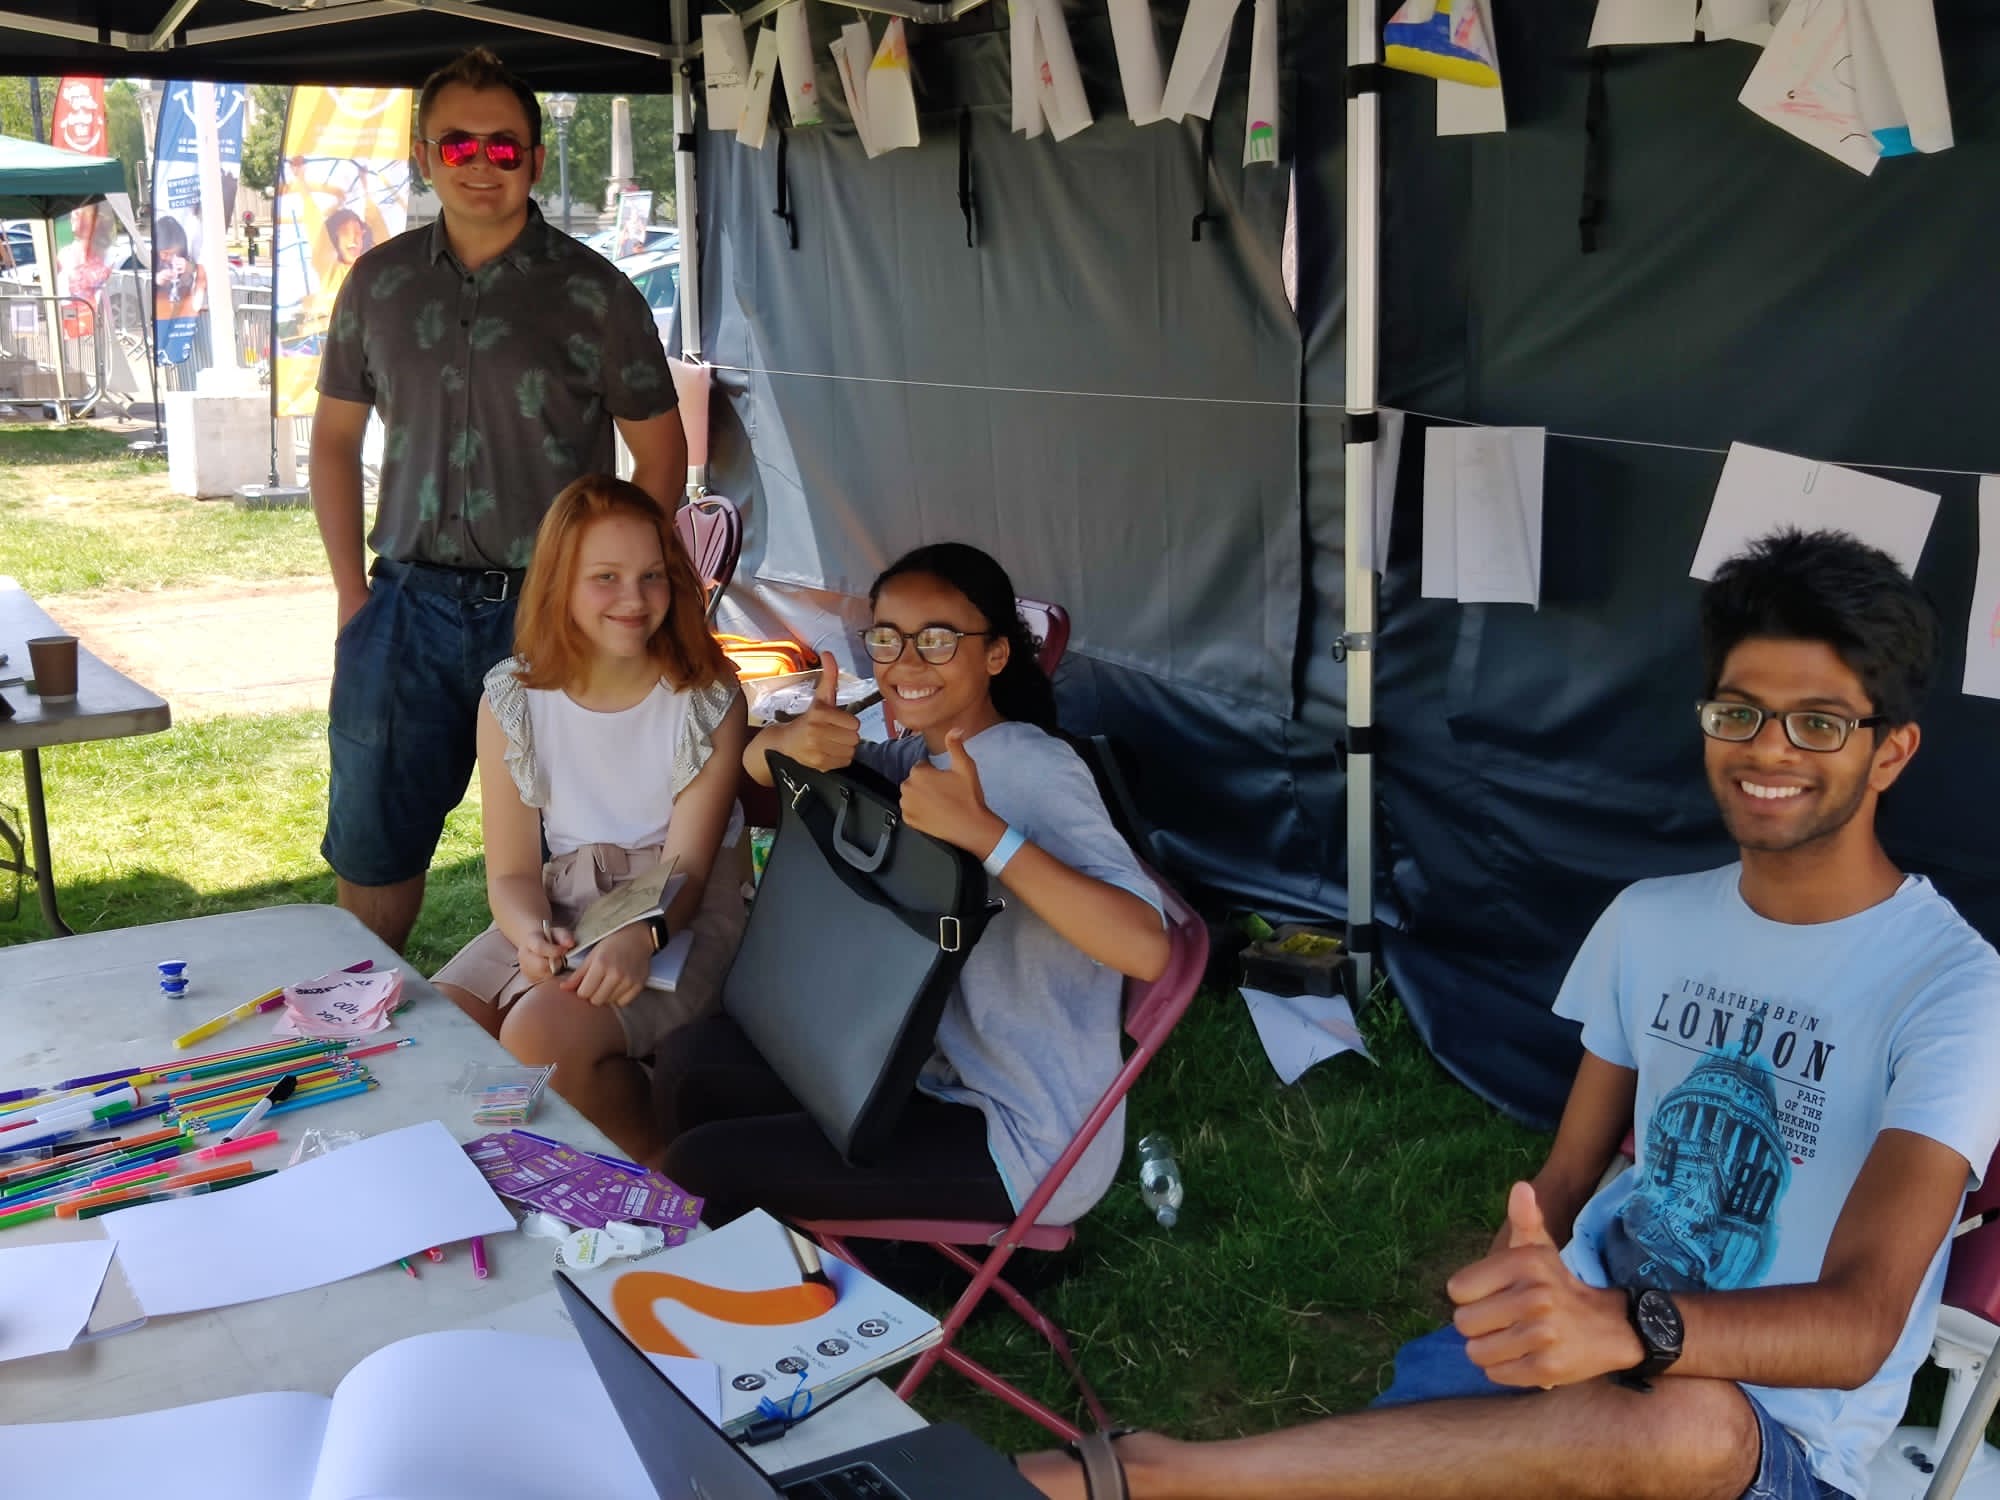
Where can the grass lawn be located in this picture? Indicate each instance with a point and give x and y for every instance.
(79, 512)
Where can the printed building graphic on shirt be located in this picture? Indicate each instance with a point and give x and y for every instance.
(1705, 1214)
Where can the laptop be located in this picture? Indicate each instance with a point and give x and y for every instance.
(686, 1454)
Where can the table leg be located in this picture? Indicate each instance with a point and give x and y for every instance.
(38, 832)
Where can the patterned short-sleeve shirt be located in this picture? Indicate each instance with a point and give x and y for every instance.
(497, 387)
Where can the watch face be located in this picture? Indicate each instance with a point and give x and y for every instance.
(1658, 1322)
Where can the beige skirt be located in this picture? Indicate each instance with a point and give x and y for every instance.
(489, 966)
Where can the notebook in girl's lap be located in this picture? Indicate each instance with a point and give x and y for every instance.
(684, 1453)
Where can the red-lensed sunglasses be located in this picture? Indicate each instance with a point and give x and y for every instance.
(457, 148)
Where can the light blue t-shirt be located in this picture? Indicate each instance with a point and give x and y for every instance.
(1770, 1055)
(1030, 1034)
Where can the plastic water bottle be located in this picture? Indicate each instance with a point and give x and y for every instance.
(1160, 1178)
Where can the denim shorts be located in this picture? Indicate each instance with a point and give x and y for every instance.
(1436, 1368)
(408, 671)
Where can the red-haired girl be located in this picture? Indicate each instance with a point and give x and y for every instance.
(614, 734)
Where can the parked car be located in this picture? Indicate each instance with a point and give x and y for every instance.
(658, 237)
(20, 243)
(657, 274)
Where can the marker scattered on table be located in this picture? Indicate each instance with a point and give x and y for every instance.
(404, 1262)
(479, 1256)
(282, 1090)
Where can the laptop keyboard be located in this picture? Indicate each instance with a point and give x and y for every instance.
(855, 1482)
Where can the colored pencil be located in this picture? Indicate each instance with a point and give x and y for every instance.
(202, 1124)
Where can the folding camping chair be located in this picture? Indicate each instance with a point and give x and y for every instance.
(712, 531)
(1047, 623)
(1954, 1458)
(1151, 1012)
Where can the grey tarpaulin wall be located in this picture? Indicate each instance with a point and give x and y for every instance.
(1529, 763)
(1107, 404)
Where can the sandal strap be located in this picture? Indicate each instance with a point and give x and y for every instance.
(1103, 1474)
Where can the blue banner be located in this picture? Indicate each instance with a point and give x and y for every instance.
(184, 218)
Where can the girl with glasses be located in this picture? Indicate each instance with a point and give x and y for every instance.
(613, 735)
(1029, 1038)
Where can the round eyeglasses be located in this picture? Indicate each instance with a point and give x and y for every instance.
(1808, 728)
(936, 644)
(457, 148)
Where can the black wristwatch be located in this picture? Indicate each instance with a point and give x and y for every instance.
(658, 927)
(1657, 1321)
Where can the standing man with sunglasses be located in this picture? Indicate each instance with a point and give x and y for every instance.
(1803, 1044)
(500, 354)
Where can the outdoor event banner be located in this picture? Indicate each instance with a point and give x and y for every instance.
(78, 122)
(343, 187)
(188, 221)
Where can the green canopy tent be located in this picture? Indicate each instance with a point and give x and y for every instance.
(40, 182)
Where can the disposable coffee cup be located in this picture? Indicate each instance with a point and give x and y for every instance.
(54, 660)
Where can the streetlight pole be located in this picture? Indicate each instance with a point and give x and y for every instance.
(562, 109)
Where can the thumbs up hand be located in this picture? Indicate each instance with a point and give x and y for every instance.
(1528, 1320)
(1525, 1225)
(951, 804)
(825, 735)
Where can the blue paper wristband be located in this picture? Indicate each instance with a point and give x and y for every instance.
(1009, 845)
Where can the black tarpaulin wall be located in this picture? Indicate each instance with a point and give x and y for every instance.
(1745, 288)
(1531, 763)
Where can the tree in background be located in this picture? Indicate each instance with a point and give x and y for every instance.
(125, 131)
(265, 137)
(590, 152)
(16, 118)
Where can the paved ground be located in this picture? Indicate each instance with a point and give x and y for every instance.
(226, 648)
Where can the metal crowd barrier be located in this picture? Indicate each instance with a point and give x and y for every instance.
(51, 352)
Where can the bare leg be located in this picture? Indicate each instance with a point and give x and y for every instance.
(388, 911)
(586, 1045)
(1686, 1439)
(486, 1016)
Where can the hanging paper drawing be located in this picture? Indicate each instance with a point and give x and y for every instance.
(1444, 41)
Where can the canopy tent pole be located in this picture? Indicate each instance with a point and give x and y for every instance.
(689, 292)
(1357, 645)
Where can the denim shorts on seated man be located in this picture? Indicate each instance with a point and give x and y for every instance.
(1436, 1368)
(403, 718)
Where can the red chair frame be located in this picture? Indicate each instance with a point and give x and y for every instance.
(1151, 1012)
(711, 529)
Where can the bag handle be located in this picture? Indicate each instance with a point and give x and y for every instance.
(949, 931)
(867, 861)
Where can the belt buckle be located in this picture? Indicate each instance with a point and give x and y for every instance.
(486, 596)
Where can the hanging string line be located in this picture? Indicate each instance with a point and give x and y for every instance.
(1333, 406)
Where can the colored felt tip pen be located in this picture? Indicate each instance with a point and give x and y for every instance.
(237, 1147)
(282, 1090)
(228, 1018)
(42, 1153)
(479, 1256)
(91, 1211)
(436, 1255)
(404, 1262)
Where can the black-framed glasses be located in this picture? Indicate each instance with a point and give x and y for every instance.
(457, 148)
(936, 644)
(1809, 728)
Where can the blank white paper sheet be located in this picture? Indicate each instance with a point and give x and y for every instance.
(1982, 633)
(46, 1293)
(1483, 514)
(324, 1220)
(1762, 490)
